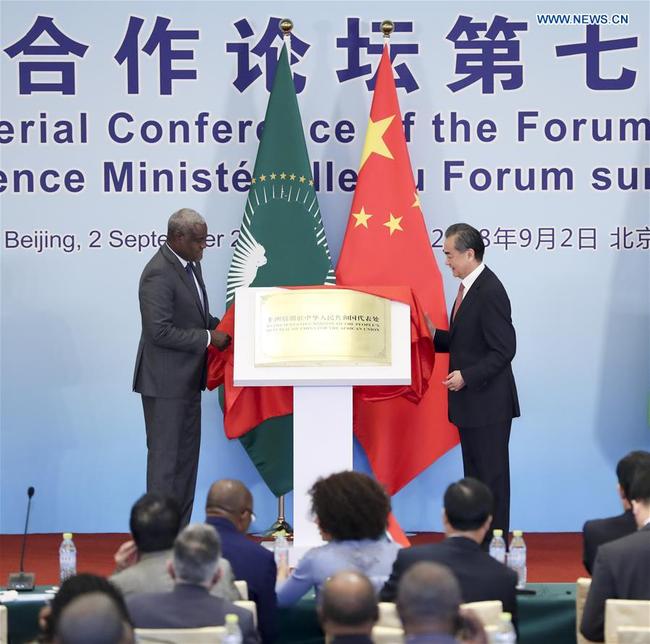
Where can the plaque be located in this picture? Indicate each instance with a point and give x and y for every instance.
(315, 327)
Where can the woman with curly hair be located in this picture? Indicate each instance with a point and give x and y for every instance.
(351, 510)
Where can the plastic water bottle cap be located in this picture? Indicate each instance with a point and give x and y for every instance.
(67, 535)
(505, 617)
(231, 618)
(517, 533)
(497, 532)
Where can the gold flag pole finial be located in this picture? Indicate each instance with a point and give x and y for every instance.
(286, 25)
(387, 28)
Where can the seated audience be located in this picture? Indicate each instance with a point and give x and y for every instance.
(428, 603)
(622, 567)
(599, 531)
(466, 519)
(229, 509)
(93, 618)
(195, 570)
(347, 608)
(351, 511)
(71, 589)
(141, 564)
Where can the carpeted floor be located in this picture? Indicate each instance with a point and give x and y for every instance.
(552, 557)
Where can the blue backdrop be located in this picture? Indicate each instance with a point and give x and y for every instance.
(529, 124)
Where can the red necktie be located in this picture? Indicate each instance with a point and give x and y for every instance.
(459, 299)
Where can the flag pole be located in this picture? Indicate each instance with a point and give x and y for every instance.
(286, 25)
(387, 28)
(281, 525)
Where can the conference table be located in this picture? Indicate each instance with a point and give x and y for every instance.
(546, 616)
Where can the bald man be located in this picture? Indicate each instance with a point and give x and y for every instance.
(347, 608)
(93, 617)
(229, 509)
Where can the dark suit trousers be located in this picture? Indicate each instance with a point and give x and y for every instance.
(485, 457)
(173, 442)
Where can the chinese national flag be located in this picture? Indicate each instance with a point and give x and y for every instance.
(386, 243)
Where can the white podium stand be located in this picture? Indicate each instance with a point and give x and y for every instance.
(322, 399)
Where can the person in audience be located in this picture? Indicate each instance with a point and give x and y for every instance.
(347, 608)
(229, 509)
(141, 564)
(351, 511)
(195, 570)
(93, 618)
(71, 589)
(428, 603)
(599, 531)
(466, 518)
(622, 567)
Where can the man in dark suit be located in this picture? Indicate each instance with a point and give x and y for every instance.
(229, 509)
(428, 602)
(481, 345)
(466, 517)
(347, 608)
(170, 369)
(189, 605)
(599, 531)
(622, 567)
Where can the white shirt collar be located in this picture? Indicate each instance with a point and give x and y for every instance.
(468, 280)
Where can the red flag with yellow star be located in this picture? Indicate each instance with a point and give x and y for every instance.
(386, 244)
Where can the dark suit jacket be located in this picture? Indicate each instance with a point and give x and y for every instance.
(621, 571)
(254, 564)
(481, 344)
(599, 531)
(480, 576)
(172, 354)
(187, 606)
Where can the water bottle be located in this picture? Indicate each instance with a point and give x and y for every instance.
(233, 632)
(498, 546)
(281, 552)
(505, 633)
(517, 557)
(67, 557)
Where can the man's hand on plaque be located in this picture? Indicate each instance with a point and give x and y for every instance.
(219, 339)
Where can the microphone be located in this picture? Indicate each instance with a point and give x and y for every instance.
(23, 580)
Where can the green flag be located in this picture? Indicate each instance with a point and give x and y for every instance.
(281, 242)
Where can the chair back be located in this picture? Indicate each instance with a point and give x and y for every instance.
(4, 637)
(207, 635)
(388, 615)
(633, 634)
(242, 588)
(248, 605)
(582, 590)
(625, 612)
(488, 612)
(387, 635)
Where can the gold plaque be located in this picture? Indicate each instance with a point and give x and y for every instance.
(314, 327)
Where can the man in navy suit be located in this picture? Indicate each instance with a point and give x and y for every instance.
(195, 569)
(466, 518)
(481, 344)
(347, 608)
(622, 567)
(229, 509)
(170, 368)
(599, 531)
